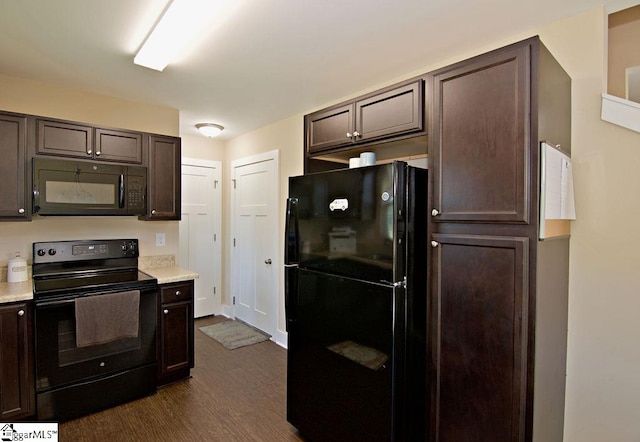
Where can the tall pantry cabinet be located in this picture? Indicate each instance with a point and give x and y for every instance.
(498, 295)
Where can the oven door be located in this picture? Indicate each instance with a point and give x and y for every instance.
(60, 361)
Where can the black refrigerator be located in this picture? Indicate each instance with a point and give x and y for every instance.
(355, 302)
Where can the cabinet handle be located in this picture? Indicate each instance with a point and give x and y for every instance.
(98, 152)
(153, 212)
(356, 134)
(178, 293)
(435, 244)
(349, 135)
(268, 261)
(20, 312)
(165, 311)
(435, 212)
(20, 210)
(89, 151)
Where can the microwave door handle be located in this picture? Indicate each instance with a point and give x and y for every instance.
(121, 192)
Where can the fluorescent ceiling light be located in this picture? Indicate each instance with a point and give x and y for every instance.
(181, 23)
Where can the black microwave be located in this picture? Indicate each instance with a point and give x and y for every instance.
(71, 187)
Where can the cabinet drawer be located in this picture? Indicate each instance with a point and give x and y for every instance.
(175, 293)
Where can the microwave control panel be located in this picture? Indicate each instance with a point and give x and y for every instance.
(136, 194)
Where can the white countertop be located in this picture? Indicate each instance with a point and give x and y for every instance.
(15, 291)
(165, 275)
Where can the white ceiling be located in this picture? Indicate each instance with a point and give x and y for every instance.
(264, 60)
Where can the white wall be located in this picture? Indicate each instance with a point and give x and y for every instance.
(286, 137)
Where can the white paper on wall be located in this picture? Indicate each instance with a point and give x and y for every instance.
(556, 186)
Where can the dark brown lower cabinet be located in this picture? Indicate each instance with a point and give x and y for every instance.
(175, 331)
(481, 301)
(17, 382)
(498, 317)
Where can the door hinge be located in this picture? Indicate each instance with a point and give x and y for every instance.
(214, 289)
(215, 184)
(234, 183)
(234, 300)
(234, 242)
(215, 237)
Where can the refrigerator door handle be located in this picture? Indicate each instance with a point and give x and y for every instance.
(291, 266)
(292, 237)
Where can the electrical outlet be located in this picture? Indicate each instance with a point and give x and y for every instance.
(160, 239)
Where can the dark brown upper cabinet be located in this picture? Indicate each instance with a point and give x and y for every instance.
(164, 178)
(69, 139)
(14, 204)
(388, 113)
(478, 139)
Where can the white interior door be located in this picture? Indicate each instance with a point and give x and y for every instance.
(255, 240)
(199, 232)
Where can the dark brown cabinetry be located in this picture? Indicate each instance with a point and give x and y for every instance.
(175, 331)
(63, 138)
(498, 301)
(13, 167)
(17, 382)
(386, 114)
(164, 186)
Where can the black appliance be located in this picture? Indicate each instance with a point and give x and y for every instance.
(355, 301)
(86, 294)
(70, 187)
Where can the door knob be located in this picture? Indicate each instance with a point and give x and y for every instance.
(435, 212)
(267, 261)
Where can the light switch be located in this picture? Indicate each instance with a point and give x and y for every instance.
(160, 239)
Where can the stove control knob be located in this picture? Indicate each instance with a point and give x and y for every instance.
(123, 247)
(41, 252)
(52, 252)
(132, 246)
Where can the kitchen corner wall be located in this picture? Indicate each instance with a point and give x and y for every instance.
(36, 98)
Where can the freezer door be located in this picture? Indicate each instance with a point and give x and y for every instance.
(346, 221)
(344, 377)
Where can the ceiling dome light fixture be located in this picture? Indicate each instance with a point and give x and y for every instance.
(209, 129)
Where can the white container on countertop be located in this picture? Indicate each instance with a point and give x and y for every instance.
(354, 162)
(17, 269)
(367, 159)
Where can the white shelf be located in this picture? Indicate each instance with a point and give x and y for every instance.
(622, 112)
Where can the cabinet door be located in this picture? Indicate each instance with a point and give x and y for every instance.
(479, 137)
(64, 139)
(329, 128)
(17, 383)
(175, 337)
(13, 167)
(164, 178)
(394, 112)
(479, 338)
(116, 145)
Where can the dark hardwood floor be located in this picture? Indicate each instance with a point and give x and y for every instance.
(233, 395)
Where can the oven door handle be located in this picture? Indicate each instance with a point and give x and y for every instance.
(55, 302)
(121, 192)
